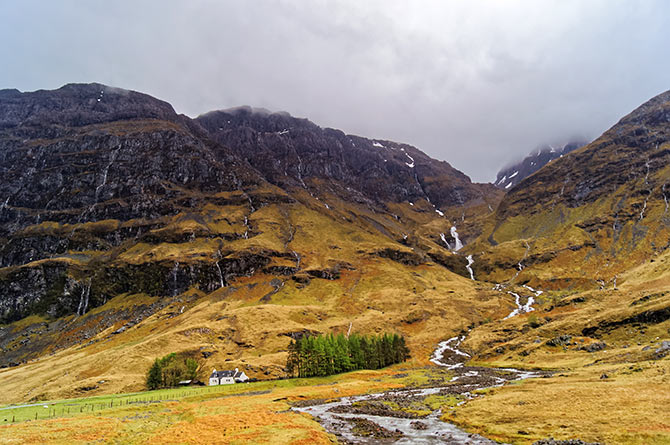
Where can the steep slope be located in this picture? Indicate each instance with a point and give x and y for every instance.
(593, 213)
(297, 154)
(291, 151)
(129, 231)
(514, 174)
(87, 171)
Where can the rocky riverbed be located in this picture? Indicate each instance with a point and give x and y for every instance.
(412, 415)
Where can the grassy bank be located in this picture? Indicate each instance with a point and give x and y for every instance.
(255, 412)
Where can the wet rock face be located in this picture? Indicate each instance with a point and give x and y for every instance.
(645, 317)
(290, 151)
(89, 177)
(49, 289)
(85, 154)
(34, 290)
(18, 345)
(401, 256)
(455, 263)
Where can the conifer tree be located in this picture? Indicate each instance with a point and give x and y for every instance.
(292, 362)
(154, 377)
(323, 355)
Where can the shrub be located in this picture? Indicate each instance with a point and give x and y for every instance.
(168, 371)
(534, 322)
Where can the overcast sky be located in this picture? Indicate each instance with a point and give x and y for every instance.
(476, 83)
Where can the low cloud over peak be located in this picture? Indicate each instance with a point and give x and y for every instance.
(476, 84)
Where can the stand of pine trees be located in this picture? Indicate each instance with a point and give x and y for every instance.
(333, 354)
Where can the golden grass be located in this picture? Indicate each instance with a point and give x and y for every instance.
(242, 329)
(632, 405)
(624, 408)
(243, 413)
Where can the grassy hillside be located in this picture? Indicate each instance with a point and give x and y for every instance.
(612, 371)
(352, 272)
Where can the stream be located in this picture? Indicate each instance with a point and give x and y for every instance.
(372, 418)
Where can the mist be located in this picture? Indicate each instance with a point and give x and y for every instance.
(477, 84)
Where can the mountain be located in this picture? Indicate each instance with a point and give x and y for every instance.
(121, 219)
(129, 232)
(289, 151)
(594, 213)
(514, 174)
(586, 240)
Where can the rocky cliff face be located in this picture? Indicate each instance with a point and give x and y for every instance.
(514, 174)
(76, 105)
(633, 152)
(84, 171)
(291, 152)
(105, 192)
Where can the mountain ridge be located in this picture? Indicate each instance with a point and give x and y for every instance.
(513, 174)
(602, 207)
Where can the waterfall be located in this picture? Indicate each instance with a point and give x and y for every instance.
(454, 234)
(470, 263)
(83, 299)
(105, 171)
(444, 240)
(88, 293)
(220, 274)
(175, 269)
(520, 265)
(528, 306)
(535, 291)
(297, 257)
(251, 203)
(81, 303)
(519, 307)
(646, 182)
(300, 170)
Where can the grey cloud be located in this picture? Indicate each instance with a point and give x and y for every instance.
(473, 83)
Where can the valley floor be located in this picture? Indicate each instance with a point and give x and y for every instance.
(631, 405)
(607, 350)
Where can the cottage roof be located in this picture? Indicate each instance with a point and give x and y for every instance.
(222, 374)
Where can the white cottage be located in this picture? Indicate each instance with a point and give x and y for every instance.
(227, 377)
